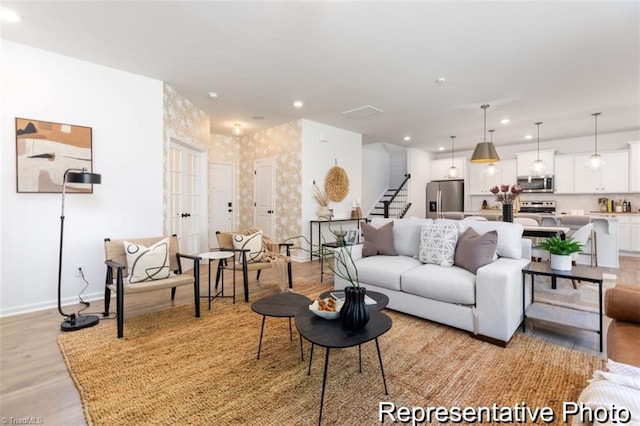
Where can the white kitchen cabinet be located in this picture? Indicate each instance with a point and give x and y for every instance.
(440, 168)
(612, 178)
(524, 160)
(480, 182)
(509, 172)
(624, 233)
(563, 178)
(634, 166)
(635, 233)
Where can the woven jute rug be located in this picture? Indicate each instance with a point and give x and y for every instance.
(173, 368)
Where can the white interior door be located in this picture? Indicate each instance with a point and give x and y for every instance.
(220, 200)
(185, 197)
(264, 212)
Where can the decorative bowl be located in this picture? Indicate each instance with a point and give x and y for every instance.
(326, 314)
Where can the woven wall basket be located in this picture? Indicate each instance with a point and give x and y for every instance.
(336, 184)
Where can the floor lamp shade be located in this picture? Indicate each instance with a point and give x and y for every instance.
(73, 321)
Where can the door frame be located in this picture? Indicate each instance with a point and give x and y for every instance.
(202, 154)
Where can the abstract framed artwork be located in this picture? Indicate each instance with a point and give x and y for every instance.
(45, 150)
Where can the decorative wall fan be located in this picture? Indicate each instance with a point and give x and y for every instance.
(336, 184)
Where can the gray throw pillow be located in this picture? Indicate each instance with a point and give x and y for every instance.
(378, 240)
(475, 250)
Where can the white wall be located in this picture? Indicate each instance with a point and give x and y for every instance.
(125, 113)
(376, 163)
(318, 157)
(419, 167)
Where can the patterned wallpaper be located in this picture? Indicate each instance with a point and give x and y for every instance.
(284, 143)
(183, 120)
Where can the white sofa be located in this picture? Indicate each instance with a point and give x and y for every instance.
(488, 304)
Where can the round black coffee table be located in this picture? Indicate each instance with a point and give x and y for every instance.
(280, 305)
(330, 334)
(381, 299)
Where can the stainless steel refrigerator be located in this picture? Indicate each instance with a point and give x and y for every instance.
(444, 196)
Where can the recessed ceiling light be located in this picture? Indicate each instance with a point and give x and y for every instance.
(527, 137)
(441, 148)
(441, 80)
(9, 16)
(213, 95)
(504, 121)
(407, 138)
(298, 104)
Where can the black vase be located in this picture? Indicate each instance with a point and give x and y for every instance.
(354, 313)
(507, 212)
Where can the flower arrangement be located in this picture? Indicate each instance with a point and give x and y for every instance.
(321, 197)
(506, 194)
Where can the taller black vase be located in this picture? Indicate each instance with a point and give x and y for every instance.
(354, 313)
(507, 212)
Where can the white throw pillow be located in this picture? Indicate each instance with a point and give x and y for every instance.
(147, 263)
(252, 242)
(438, 243)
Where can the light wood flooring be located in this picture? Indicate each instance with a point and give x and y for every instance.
(34, 381)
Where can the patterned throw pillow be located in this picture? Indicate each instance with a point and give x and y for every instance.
(147, 263)
(252, 242)
(438, 243)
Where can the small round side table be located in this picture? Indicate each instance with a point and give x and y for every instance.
(220, 256)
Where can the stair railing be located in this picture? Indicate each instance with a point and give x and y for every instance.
(401, 194)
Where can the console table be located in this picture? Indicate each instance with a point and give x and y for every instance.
(319, 224)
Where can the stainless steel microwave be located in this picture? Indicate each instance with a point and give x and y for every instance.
(536, 184)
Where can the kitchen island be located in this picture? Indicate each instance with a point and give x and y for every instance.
(605, 226)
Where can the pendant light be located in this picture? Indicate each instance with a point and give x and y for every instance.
(491, 169)
(538, 167)
(453, 171)
(484, 152)
(595, 162)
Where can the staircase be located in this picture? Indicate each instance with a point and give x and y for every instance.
(393, 203)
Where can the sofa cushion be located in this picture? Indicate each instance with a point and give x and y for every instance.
(378, 240)
(406, 234)
(451, 285)
(385, 271)
(509, 236)
(475, 250)
(438, 243)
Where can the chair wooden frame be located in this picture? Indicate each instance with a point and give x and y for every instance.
(116, 260)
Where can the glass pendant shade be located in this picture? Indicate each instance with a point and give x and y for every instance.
(491, 169)
(595, 162)
(453, 170)
(538, 167)
(485, 152)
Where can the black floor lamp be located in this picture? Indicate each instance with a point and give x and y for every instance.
(73, 321)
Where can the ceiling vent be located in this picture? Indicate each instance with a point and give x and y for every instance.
(362, 112)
